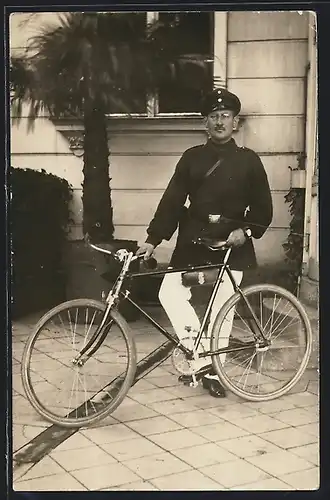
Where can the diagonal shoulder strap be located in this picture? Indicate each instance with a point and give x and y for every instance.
(212, 169)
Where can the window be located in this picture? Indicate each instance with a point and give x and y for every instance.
(191, 36)
(137, 98)
(194, 37)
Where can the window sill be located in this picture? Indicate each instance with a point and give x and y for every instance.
(135, 123)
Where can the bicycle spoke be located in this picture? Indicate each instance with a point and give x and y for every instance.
(261, 306)
(242, 330)
(259, 371)
(287, 363)
(86, 397)
(280, 321)
(243, 321)
(75, 328)
(64, 328)
(80, 391)
(264, 372)
(283, 329)
(71, 329)
(272, 315)
(238, 365)
(247, 368)
(86, 332)
(74, 383)
(286, 346)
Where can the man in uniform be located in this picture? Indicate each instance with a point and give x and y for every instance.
(230, 198)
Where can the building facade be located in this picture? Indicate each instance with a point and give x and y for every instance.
(269, 60)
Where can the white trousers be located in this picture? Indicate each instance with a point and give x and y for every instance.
(175, 299)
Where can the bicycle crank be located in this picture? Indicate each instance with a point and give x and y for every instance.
(183, 365)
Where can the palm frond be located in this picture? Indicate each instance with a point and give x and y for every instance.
(107, 57)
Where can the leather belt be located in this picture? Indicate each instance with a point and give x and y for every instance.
(214, 218)
(205, 218)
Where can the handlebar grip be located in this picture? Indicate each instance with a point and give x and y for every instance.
(150, 263)
(212, 244)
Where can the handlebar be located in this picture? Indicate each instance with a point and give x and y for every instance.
(151, 263)
(212, 244)
(121, 254)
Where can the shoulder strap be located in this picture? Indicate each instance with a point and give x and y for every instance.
(212, 169)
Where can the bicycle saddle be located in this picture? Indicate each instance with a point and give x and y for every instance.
(213, 244)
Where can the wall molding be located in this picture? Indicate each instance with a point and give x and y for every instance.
(140, 123)
(158, 153)
(72, 129)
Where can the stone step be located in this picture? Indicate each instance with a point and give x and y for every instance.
(309, 291)
(313, 314)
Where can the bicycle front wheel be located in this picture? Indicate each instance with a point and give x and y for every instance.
(259, 373)
(58, 388)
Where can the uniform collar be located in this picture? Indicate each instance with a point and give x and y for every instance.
(222, 148)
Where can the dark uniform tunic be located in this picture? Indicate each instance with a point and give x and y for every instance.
(238, 190)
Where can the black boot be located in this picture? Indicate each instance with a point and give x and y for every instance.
(214, 387)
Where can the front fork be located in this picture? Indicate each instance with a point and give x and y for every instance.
(96, 339)
(102, 330)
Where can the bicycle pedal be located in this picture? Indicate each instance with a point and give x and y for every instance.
(194, 382)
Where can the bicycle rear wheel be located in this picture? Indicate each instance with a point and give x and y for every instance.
(68, 394)
(256, 373)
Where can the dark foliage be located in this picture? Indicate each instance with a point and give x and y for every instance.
(40, 217)
(293, 247)
(92, 64)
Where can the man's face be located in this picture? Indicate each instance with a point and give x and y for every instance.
(220, 125)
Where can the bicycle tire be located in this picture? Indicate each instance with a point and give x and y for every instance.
(127, 381)
(231, 303)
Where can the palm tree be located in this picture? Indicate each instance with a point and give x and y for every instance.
(92, 64)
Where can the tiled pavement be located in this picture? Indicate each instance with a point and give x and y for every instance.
(166, 436)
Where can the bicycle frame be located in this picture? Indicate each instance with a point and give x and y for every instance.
(223, 268)
(116, 295)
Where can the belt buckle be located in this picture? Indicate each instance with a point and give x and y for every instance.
(214, 218)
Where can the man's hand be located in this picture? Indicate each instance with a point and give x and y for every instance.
(145, 249)
(236, 238)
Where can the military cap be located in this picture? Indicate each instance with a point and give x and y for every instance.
(220, 99)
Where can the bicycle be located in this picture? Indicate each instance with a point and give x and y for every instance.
(270, 331)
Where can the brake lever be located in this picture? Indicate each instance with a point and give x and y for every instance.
(150, 263)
